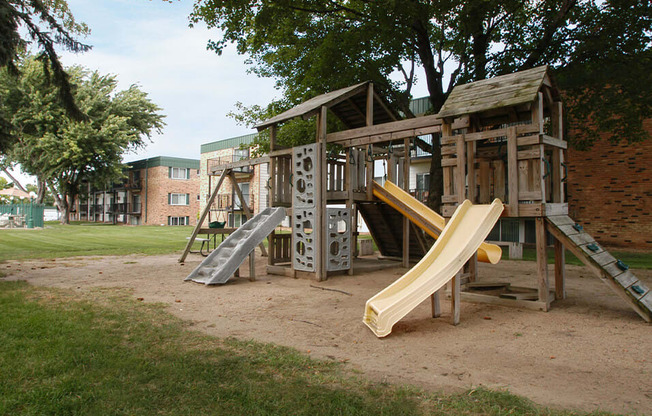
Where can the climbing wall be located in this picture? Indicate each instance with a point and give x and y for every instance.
(304, 211)
(610, 270)
(339, 239)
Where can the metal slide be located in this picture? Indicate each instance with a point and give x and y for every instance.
(610, 270)
(222, 263)
(425, 218)
(461, 237)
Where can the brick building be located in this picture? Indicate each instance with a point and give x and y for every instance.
(157, 191)
(610, 192)
(251, 180)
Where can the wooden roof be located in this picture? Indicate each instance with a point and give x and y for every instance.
(348, 104)
(502, 91)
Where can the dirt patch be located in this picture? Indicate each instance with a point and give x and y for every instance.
(589, 352)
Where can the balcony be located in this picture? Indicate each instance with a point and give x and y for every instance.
(215, 163)
(134, 208)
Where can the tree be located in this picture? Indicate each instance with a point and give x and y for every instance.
(62, 151)
(312, 46)
(44, 24)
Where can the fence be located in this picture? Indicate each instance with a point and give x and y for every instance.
(33, 213)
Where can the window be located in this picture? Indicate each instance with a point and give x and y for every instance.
(178, 221)
(179, 199)
(240, 154)
(423, 181)
(179, 173)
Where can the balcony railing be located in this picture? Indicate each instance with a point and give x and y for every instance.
(134, 208)
(225, 160)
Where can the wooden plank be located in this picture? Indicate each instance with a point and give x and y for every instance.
(561, 220)
(646, 314)
(602, 259)
(455, 298)
(406, 221)
(520, 296)
(460, 182)
(542, 262)
(581, 238)
(449, 162)
(512, 171)
(532, 153)
(638, 290)
(484, 194)
(554, 142)
(560, 270)
(495, 300)
(470, 168)
(203, 216)
(646, 301)
(585, 248)
(499, 179)
(385, 128)
(626, 279)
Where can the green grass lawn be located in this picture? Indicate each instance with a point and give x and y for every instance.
(87, 239)
(106, 354)
(635, 260)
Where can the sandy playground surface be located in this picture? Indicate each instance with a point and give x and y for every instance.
(591, 351)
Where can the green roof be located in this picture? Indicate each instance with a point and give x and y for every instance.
(233, 142)
(173, 162)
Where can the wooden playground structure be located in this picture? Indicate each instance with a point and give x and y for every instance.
(500, 138)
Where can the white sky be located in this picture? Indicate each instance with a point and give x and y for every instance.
(149, 43)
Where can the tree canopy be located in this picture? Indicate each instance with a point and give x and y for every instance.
(44, 24)
(600, 50)
(63, 151)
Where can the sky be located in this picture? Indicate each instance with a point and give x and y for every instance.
(149, 43)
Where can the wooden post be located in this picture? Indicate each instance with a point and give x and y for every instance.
(245, 207)
(406, 187)
(349, 205)
(542, 262)
(435, 305)
(460, 185)
(512, 171)
(203, 216)
(560, 270)
(319, 230)
(455, 298)
(470, 169)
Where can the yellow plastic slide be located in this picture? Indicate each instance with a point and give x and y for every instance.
(425, 218)
(461, 237)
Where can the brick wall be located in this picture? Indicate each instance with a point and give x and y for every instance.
(610, 192)
(159, 185)
(254, 181)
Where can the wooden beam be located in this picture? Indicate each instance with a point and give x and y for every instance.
(542, 262)
(203, 216)
(460, 185)
(456, 290)
(512, 171)
(560, 270)
(245, 207)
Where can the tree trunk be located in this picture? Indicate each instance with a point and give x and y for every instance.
(40, 191)
(62, 204)
(437, 97)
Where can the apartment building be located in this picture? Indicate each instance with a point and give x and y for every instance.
(252, 180)
(156, 191)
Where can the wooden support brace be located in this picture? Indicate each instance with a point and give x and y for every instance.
(456, 290)
(203, 215)
(542, 262)
(560, 270)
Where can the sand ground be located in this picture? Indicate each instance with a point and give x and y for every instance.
(589, 352)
